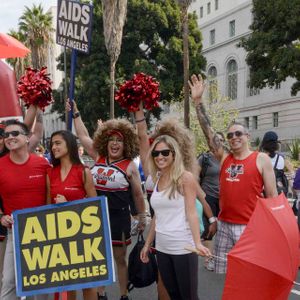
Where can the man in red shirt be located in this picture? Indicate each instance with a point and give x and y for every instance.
(22, 185)
(243, 176)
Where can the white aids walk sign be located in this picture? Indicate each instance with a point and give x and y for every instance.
(74, 22)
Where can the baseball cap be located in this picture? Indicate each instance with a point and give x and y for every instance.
(270, 136)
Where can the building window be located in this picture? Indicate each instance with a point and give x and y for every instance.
(254, 92)
(232, 78)
(208, 8)
(254, 122)
(246, 121)
(232, 28)
(213, 84)
(201, 12)
(216, 4)
(212, 37)
(275, 119)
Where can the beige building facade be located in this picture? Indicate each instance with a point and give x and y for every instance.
(223, 23)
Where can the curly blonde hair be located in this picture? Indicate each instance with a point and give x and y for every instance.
(171, 127)
(131, 143)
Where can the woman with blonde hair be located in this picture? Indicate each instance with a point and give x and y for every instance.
(175, 223)
(115, 175)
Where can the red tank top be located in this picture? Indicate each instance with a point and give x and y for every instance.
(72, 187)
(240, 185)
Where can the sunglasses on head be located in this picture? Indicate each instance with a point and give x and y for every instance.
(237, 133)
(166, 152)
(13, 133)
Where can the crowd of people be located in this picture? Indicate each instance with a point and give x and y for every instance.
(225, 183)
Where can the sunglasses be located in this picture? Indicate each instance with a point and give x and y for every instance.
(13, 133)
(237, 133)
(165, 153)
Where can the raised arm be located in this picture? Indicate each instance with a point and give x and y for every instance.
(197, 88)
(141, 126)
(30, 116)
(82, 132)
(38, 131)
(137, 193)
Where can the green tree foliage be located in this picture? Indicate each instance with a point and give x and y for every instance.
(273, 46)
(36, 27)
(152, 43)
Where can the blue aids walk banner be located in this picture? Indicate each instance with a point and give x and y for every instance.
(63, 247)
(74, 24)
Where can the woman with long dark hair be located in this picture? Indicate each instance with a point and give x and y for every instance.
(69, 180)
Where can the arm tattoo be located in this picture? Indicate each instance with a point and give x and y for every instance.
(211, 137)
(39, 117)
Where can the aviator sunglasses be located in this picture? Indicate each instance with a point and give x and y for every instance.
(166, 152)
(237, 133)
(13, 133)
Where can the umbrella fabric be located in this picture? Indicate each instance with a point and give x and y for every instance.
(9, 103)
(264, 262)
(11, 48)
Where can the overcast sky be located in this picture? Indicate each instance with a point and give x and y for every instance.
(11, 10)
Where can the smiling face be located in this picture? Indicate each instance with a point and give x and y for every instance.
(237, 138)
(115, 147)
(15, 137)
(59, 146)
(163, 156)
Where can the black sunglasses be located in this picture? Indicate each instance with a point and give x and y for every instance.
(237, 133)
(13, 133)
(166, 152)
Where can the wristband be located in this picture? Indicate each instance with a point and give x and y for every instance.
(76, 115)
(212, 220)
(141, 120)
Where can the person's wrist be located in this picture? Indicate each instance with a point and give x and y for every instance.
(139, 120)
(212, 220)
(76, 114)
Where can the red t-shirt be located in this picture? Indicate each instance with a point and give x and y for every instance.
(240, 185)
(23, 185)
(72, 187)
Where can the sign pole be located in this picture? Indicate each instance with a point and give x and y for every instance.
(72, 87)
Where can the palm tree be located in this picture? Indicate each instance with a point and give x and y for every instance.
(19, 63)
(184, 5)
(36, 26)
(114, 15)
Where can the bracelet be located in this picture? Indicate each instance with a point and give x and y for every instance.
(212, 220)
(141, 120)
(76, 115)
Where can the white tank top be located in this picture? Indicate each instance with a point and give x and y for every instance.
(172, 229)
(280, 163)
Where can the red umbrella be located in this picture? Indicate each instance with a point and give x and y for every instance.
(11, 48)
(264, 262)
(9, 102)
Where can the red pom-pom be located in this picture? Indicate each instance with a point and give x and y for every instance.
(34, 87)
(140, 88)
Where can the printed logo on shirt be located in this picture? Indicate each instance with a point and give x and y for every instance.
(71, 188)
(234, 171)
(35, 176)
(103, 177)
